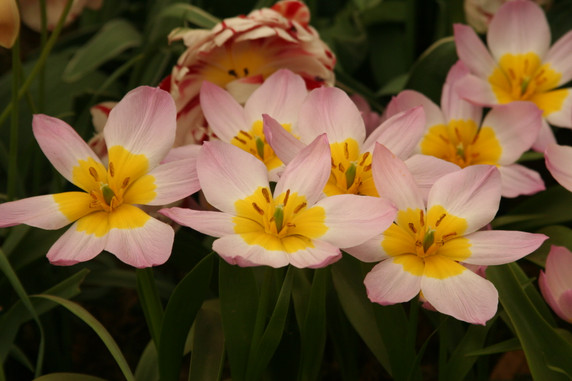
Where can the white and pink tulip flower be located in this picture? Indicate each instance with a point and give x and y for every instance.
(425, 248)
(105, 210)
(456, 132)
(556, 283)
(239, 53)
(294, 224)
(519, 65)
(280, 96)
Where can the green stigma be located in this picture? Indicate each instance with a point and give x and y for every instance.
(260, 147)
(278, 218)
(107, 193)
(350, 175)
(428, 239)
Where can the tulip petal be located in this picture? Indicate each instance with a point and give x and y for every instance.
(518, 180)
(308, 172)
(454, 107)
(558, 265)
(241, 173)
(369, 251)
(353, 219)
(44, 211)
(559, 57)
(518, 27)
(284, 144)
(280, 96)
(389, 283)
(545, 137)
(476, 90)
(558, 159)
(143, 122)
(563, 116)
(472, 193)
(215, 224)
(553, 298)
(408, 99)
(394, 181)
(227, 124)
(75, 246)
(472, 51)
(62, 145)
(465, 296)
(145, 246)
(497, 247)
(321, 255)
(390, 133)
(235, 251)
(428, 169)
(330, 110)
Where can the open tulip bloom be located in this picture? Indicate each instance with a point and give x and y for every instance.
(105, 211)
(295, 224)
(521, 65)
(423, 250)
(455, 132)
(280, 96)
(329, 110)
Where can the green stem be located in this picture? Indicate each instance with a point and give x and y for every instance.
(40, 63)
(44, 39)
(150, 302)
(443, 340)
(13, 153)
(261, 314)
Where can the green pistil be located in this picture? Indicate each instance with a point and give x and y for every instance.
(278, 218)
(350, 175)
(107, 193)
(524, 84)
(260, 147)
(429, 239)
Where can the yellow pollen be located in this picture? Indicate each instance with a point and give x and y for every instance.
(300, 207)
(258, 209)
(111, 169)
(286, 197)
(266, 195)
(93, 173)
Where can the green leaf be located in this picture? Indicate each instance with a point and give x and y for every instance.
(150, 302)
(99, 329)
(68, 377)
(208, 344)
(502, 347)
(239, 296)
(348, 282)
(18, 314)
(189, 13)
(115, 37)
(148, 365)
(262, 351)
(313, 330)
(547, 353)
(179, 316)
(429, 72)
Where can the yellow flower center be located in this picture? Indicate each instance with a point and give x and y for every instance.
(109, 193)
(284, 223)
(463, 143)
(415, 238)
(524, 77)
(351, 170)
(254, 141)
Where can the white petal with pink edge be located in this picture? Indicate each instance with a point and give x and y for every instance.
(174, 181)
(225, 124)
(394, 181)
(410, 123)
(330, 110)
(518, 27)
(61, 144)
(234, 250)
(389, 283)
(518, 180)
(476, 90)
(562, 117)
(39, 211)
(516, 126)
(352, 219)
(428, 169)
(369, 251)
(559, 163)
(227, 174)
(215, 224)
(145, 246)
(466, 296)
(408, 99)
(75, 246)
(183, 152)
(545, 137)
(472, 51)
(472, 193)
(559, 269)
(143, 122)
(284, 144)
(280, 96)
(321, 255)
(308, 172)
(497, 247)
(454, 107)
(560, 57)
(552, 297)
